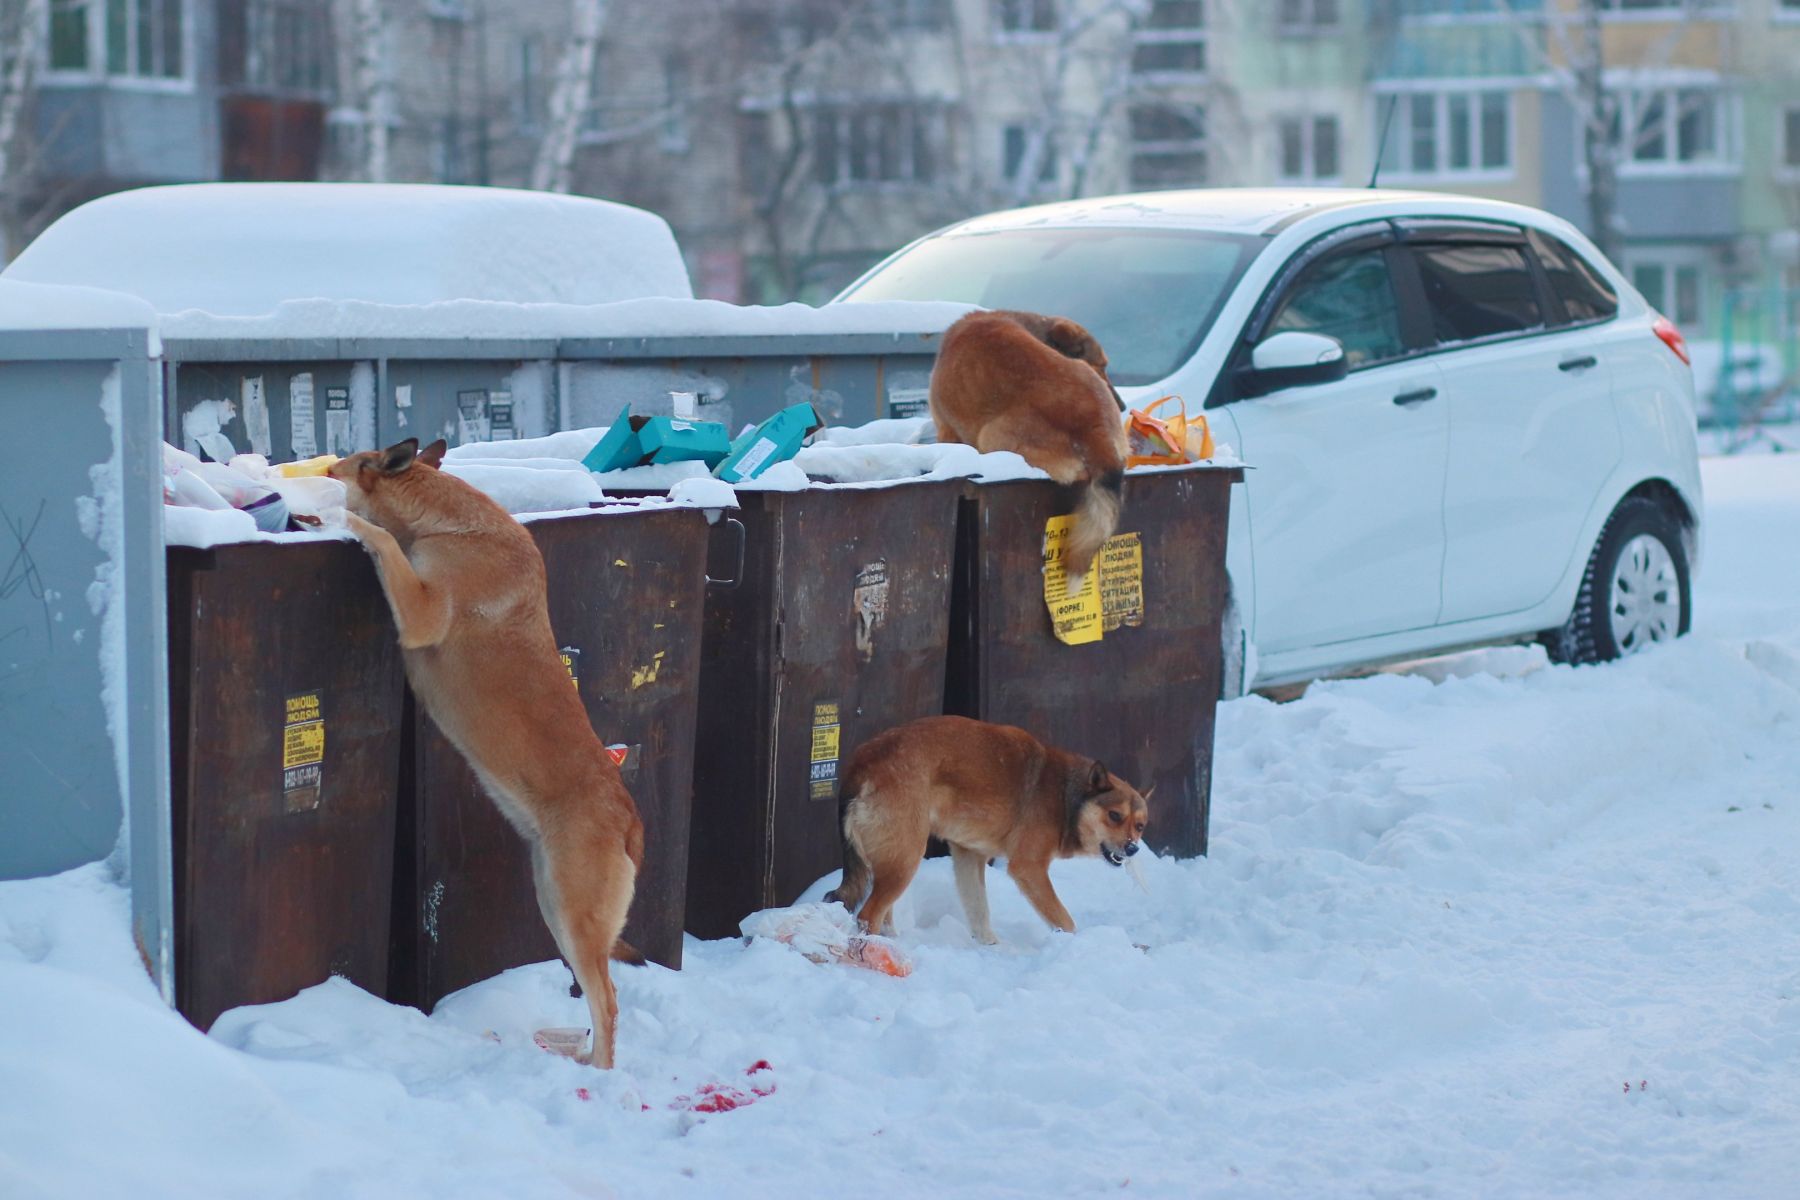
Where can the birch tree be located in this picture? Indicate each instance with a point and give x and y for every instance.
(374, 86)
(23, 38)
(553, 169)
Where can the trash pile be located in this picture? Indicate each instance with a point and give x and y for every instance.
(235, 500)
(676, 459)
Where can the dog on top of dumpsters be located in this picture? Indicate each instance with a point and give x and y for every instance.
(466, 585)
(988, 791)
(1037, 386)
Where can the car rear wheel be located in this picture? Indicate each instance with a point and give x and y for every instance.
(1635, 592)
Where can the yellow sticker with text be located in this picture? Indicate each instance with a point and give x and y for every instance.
(1075, 619)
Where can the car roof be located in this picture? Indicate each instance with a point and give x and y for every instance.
(1244, 210)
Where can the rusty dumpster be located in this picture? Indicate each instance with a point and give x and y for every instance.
(285, 689)
(625, 606)
(1141, 696)
(836, 631)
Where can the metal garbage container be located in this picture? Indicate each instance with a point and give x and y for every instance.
(285, 689)
(1141, 697)
(836, 631)
(625, 606)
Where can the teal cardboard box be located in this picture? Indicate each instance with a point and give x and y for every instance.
(680, 439)
(775, 440)
(619, 447)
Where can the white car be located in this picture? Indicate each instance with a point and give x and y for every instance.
(1463, 425)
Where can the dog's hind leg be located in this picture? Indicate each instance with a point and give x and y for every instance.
(971, 888)
(591, 883)
(855, 884)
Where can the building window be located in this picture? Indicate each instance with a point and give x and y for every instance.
(1790, 141)
(1309, 149)
(69, 35)
(1674, 128)
(1461, 133)
(287, 46)
(1673, 288)
(1306, 16)
(1168, 146)
(145, 38)
(1172, 40)
(925, 16)
(1015, 141)
(1671, 10)
(1025, 16)
(873, 144)
(529, 99)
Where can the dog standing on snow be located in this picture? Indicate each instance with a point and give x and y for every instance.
(989, 791)
(466, 585)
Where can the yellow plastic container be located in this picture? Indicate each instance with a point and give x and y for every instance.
(310, 466)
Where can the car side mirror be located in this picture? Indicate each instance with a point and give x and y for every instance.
(1293, 359)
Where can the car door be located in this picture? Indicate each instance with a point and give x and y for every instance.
(1346, 490)
(1533, 435)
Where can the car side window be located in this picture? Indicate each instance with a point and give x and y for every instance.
(1477, 290)
(1583, 290)
(1349, 297)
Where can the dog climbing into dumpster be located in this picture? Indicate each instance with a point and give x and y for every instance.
(1037, 386)
(466, 585)
(989, 791)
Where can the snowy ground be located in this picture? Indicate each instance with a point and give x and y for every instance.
(1489, 929)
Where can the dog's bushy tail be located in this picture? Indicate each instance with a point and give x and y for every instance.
(1096, 516)
(855, 887)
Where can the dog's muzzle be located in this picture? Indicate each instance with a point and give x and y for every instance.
(1117, 857)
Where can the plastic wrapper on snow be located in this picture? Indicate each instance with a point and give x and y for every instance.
(571, 444)
(704, 492)
(827, 933)
(889, 431)
(653, 477)
(528, 490)
(206, 527)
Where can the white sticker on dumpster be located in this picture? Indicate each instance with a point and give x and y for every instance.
(303, 752)
(256, 415)
(300, 415)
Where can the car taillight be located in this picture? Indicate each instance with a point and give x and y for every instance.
(1671, 337)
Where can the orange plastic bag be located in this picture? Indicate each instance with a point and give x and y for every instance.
(1167, 440)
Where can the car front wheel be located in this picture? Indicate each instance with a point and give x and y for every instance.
(1635, 591)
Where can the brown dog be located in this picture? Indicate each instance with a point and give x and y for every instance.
(987, 790)
(466, 585)
(1037, 386)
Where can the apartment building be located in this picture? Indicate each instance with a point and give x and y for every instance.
(793, 142)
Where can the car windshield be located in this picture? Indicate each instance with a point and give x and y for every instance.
(1148, 295)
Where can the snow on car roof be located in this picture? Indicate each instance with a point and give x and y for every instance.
(241, 249)
(1228, 210)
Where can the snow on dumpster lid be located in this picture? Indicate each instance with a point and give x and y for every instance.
(241, 249)
(35, 307)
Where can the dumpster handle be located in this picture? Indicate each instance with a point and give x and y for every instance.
(737, 573)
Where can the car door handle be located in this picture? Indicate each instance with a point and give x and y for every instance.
(1418, 397)
(1578, 364)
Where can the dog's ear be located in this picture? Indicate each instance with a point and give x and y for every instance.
(398, 457)
(1069, 338)
(433, 455)
(1099, 779)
